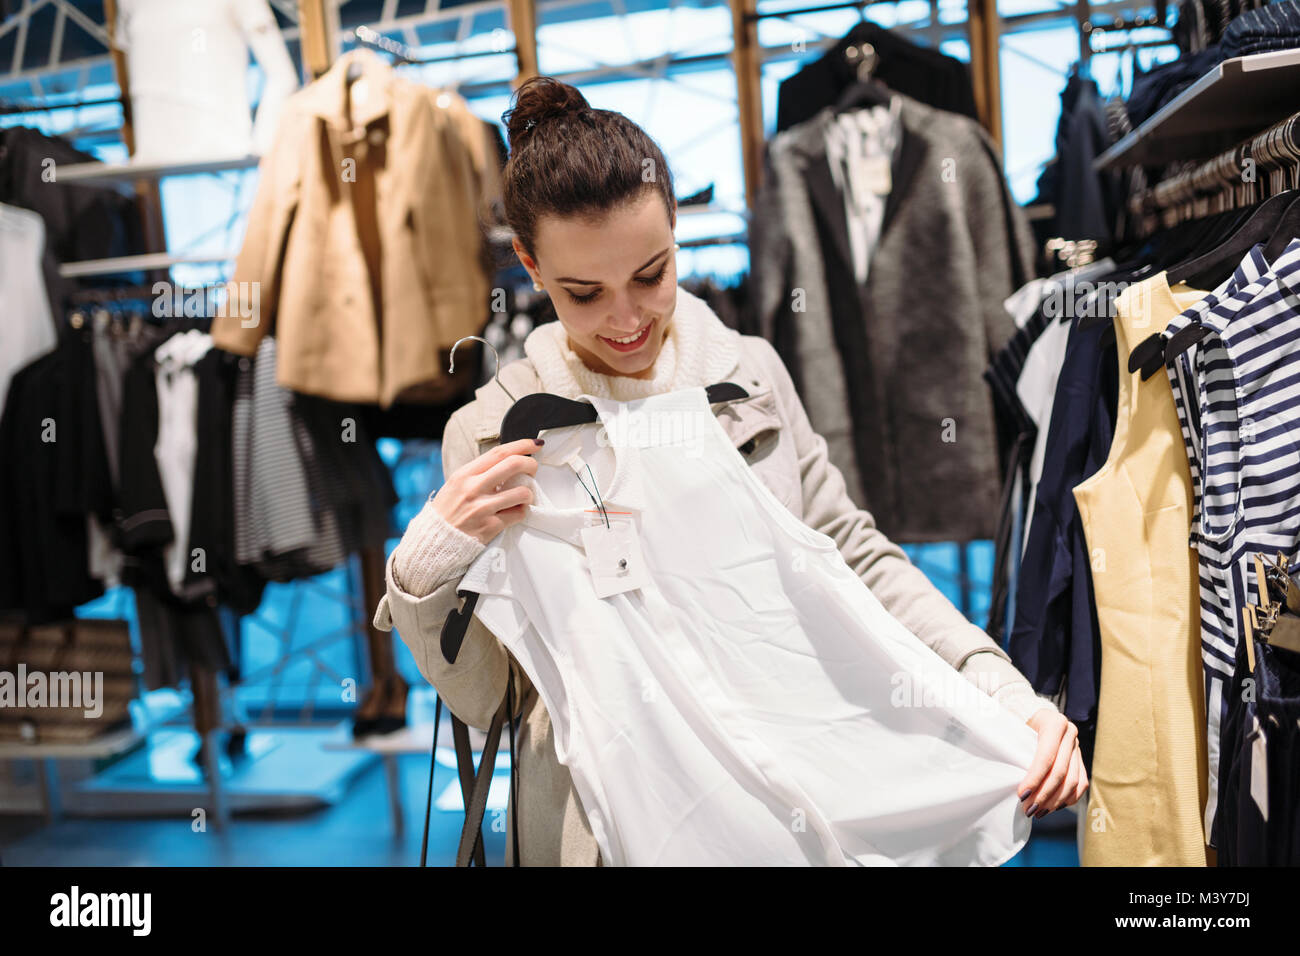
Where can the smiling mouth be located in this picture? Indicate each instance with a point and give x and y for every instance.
(628, 344)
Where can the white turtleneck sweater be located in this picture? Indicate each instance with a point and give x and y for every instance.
(699, 350)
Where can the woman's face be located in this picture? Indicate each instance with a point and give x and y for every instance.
(610, 279)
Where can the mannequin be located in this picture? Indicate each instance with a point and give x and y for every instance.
(188, 67)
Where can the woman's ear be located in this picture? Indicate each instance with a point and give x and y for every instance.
(527, 261)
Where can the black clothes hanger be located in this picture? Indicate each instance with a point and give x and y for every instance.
(1209, 270)
(1275, 221)
(865, 91)
(1277, 153)
(1282, 231)
(1286, 230)
(863, 94)
(1170, 251)
(531, 414)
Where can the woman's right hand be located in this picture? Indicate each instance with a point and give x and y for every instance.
(473, 498)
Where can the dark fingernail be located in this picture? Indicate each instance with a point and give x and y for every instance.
(1030, 811)
(1025, 795)
(1042, 813)
(540, 441)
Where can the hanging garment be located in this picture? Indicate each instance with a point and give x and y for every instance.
(860, 147)
(28, 328)
(1054, 636)
(1085, 202)
(899, 400)
(115, 349)
(1022, 378)
(81, 221)
(188, 64)
(366, 276)
(212, 518)
(309, 485)
(1182, 370)
(1217, 662)
(177, 445)
(751, 702)
(1148, 766)
(922, 73)
(1260, 811)
(277, 528)
(53, 475)
(1241, 423)
(173, 631)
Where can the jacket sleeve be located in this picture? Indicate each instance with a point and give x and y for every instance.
(902, 587)
(1005, 256)
(474, 686)
(769, 253)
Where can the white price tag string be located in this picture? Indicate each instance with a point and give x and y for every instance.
(593, 492)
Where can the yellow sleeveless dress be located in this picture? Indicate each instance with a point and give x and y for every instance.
(1148, 785)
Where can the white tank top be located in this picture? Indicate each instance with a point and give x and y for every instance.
(753, 703)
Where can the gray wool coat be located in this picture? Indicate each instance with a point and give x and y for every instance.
(891, 372)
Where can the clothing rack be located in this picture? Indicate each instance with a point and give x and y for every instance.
(145, 262)
(8, 108)
(754, 16)
(1218, 184)
(404, 55)
(374, 40)
(1091, 26)
(130, 293)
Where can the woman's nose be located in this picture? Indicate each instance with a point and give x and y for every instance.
(626, 317)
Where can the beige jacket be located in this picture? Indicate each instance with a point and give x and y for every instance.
(771, 429)
(395, 191)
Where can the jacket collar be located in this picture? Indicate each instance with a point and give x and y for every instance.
(808, 142)
(328, 97)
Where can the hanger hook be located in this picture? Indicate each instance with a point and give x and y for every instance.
(496, 373)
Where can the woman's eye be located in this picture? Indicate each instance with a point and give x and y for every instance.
(654, 279)
(584, 299)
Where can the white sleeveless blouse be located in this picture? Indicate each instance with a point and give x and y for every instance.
(752, 703)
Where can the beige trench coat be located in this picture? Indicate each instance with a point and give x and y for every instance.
(395, 186)
(771, 430)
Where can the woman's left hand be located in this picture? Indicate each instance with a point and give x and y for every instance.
(1056, 777)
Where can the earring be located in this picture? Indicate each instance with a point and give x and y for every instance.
(537, 285)
(676, 248)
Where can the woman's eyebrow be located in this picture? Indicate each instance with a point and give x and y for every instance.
(645, 265)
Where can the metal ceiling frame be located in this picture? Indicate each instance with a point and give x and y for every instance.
(78, 70)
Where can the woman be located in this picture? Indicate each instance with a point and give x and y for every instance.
(590, 199)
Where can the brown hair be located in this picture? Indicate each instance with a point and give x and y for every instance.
(569, 159)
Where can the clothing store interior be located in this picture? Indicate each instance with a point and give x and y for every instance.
(1014, 263)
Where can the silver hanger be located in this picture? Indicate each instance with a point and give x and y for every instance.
(496, 374)
(864, 57)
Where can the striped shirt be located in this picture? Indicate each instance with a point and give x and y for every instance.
(1238, 396)
(1209, 310)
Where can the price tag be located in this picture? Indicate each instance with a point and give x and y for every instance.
(614, 557)
(876, 174)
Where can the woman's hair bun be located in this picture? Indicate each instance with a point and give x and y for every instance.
(538, 99)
